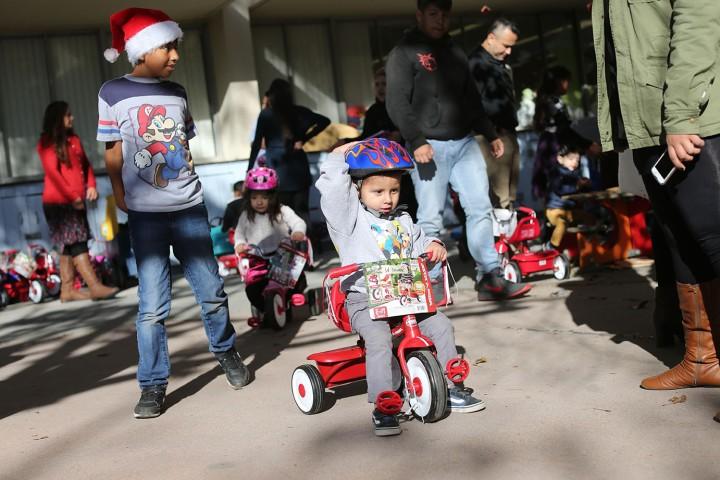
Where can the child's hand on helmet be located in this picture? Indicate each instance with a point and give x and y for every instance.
(345, 147)
(297, 236)
(240, 248)
(436, 252)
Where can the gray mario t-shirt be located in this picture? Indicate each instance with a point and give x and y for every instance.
(151, 118)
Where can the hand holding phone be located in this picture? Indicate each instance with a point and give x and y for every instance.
(663, 169)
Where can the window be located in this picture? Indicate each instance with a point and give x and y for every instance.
(24, 93)
(72, 68)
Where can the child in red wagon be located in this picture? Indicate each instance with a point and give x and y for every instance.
(360, 186)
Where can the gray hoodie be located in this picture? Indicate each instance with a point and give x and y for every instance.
(359, 235)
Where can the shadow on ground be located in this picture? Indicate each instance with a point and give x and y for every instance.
(621, 303)
(87, 345)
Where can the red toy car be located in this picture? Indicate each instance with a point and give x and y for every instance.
(425, 385)
(515, 230)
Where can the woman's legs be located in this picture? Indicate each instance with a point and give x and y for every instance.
(67, 273)
(687, 211)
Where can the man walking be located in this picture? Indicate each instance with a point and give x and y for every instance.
(433, 100)
(494, 79)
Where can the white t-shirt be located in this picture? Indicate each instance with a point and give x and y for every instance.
(265, 234)
(151, 118)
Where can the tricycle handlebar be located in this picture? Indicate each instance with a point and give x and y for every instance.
(343, 271)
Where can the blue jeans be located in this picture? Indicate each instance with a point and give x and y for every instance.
(188, 232)
(459, 163)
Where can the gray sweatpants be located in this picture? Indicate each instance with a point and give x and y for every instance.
(383, 371)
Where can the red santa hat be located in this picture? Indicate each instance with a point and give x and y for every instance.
(139, 31)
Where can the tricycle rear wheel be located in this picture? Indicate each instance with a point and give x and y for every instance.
(308, 389)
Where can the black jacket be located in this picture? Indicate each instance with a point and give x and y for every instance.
(431, 93)
(377, 120)
(291, 165)
(232, 214)
(494, 81)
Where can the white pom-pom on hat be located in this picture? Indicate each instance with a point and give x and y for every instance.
(111, 55)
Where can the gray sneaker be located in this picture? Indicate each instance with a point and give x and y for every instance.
(236, 372)
(460, 400)
(151, 402)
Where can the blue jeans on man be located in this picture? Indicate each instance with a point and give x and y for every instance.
(188, 232)
(460, 164)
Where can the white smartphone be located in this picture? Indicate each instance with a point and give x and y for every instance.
(663, 169)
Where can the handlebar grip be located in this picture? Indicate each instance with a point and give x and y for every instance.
(343, 271)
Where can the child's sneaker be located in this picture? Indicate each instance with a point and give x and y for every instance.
(460, 400)
(385, 425)
(236, 372)
(151, 402)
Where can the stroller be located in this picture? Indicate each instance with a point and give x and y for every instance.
(515, 230)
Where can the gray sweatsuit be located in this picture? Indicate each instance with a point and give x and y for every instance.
(361, 236)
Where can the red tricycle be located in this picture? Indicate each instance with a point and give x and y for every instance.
(9, 284)
(223, 250)
(515, 230)
(425, 387)
(285, 284)
(34, 276)
(15, 283)
(45, 278)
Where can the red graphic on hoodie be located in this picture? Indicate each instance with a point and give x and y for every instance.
(427, 61)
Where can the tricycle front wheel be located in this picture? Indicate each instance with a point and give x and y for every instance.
(431, 391)
(277, 311)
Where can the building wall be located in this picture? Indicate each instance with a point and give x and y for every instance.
(235, 88)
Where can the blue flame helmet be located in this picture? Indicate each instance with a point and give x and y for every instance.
(377, 155)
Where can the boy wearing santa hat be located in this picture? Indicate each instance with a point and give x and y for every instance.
(145, 124)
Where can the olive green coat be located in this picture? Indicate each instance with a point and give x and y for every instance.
(668, 58)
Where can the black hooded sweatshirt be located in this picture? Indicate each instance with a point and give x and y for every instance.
(431, 93)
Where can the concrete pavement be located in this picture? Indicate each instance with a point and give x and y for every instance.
(560, 380)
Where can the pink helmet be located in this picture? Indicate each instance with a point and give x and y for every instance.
(261, 178)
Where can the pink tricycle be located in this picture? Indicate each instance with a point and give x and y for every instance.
(282, 270)
(425, 388)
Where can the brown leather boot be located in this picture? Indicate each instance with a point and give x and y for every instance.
(699, 367)
(67, 277)
(98, 291)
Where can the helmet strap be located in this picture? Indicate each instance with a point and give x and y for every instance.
(390, 215)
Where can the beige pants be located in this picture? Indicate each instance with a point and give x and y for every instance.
(561, 218)
(502, 172)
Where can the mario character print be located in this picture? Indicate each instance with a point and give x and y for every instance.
(393, 240)
(165, 145)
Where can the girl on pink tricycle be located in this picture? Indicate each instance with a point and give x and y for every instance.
(264, 227)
